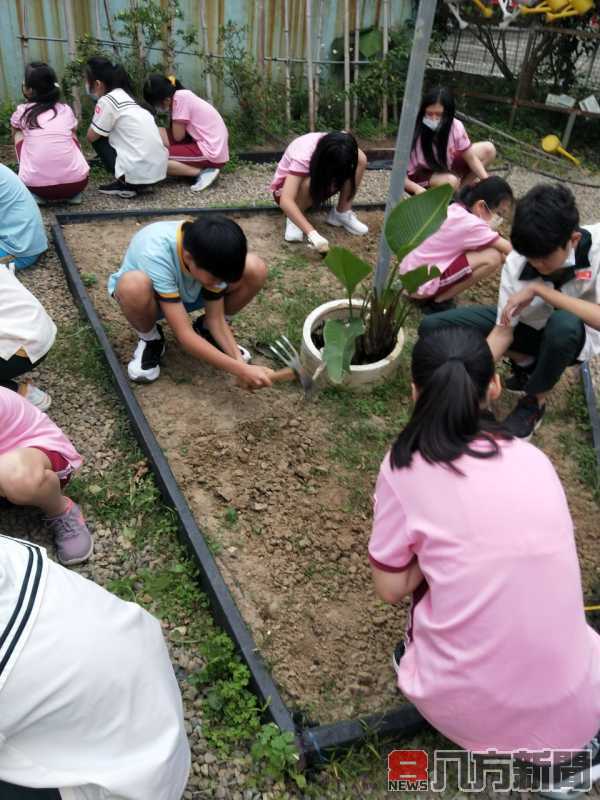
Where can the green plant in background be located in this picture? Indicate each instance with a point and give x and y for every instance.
(383, 311)
(276, 754)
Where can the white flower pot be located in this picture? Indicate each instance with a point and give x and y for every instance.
(360, 374)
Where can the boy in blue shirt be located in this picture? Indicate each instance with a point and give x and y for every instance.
(174, 267)
(22, 234)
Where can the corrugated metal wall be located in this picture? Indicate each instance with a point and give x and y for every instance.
(47, 18)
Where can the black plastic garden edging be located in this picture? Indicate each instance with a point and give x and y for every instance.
(313, 742)
(378, 158)
(592, 404)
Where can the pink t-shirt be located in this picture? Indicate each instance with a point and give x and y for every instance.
(50, 156)
(23, 425)
(296, 159)
(458, 142)
(461, 232)
(501, 655)
(203, 123)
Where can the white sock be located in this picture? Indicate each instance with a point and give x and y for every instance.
(149, 336)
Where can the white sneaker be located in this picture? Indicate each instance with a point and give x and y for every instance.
(36, 397)
(292, 232)
(205, 179)
(144, 367)
(347, 220)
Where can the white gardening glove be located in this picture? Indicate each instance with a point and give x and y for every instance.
(319, 242)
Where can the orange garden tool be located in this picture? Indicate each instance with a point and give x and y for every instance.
(551, 144)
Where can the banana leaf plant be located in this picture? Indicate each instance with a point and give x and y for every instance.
(372, 334)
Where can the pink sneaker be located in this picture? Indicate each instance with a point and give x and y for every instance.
(74, 543)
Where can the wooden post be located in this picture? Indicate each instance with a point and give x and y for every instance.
(319, 58)
(260, 21)
(309, 67)
(97, 19)
(70, 26)
(286, 42)
(347, 64)
(209, 93)
(386, 27)
(356, 58)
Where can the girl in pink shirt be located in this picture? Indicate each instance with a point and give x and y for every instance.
(36, 462)
(51, 163)
(474, 524)
(313, 168)
(441, 150)
(466, 248)
(197, 137)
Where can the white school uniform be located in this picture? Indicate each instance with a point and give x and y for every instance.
(24, 323)
(89, 703)
(585, 285)
(131, 130)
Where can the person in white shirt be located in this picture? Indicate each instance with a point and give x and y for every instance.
(123, 134)
(26, 335)
(89, 705)
(548, 316)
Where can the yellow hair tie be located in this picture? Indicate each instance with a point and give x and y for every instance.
(172, 79)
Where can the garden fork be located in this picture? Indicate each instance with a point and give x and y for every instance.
(285, 352)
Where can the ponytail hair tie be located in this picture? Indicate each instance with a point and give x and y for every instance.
(172, 80)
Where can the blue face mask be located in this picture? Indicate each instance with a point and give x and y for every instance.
(90, 93)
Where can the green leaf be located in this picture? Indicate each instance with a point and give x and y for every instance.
(411, 281)
(347, 268)
(413, 220)
(340, 338)
(370, 43)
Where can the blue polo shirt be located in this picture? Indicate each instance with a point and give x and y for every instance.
(22, 231)
(157, 250)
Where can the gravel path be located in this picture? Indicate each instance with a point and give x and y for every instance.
(90, 416)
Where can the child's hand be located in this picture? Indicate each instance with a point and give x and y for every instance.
(319, 242)
(516, 303)
(254, 377)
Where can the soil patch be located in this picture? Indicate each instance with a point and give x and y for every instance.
(282, 489)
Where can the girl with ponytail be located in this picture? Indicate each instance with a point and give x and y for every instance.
(474, 524)
(197, 137)
(51, 163)
(466, 248)
(123, 134)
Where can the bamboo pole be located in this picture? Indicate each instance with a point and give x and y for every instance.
(72, 45)
(110, 29)
(309, 67)
(286, 42)
(356, 57)
(22, 7)
(347, 64)
(386, 32)
(261, 34)
(97, 19)
(318, 62)
(169, 59)
(209, 92)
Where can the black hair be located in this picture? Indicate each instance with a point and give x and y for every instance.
(113, 76)
(435, 143)
(452, 368)
(333, 162)
(545, 219)
(493, 191)
(158, 88)
(218, 245)
(45, 92)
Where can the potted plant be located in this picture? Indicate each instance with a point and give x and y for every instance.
(359, 340)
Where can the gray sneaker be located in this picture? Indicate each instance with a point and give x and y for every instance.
(74, 543)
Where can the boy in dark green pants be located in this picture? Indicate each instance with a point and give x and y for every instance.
(548, 301)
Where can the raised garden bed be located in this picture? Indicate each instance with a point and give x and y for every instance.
(281, 489)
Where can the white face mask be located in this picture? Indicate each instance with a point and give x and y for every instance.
(570, 260)
(432, 123)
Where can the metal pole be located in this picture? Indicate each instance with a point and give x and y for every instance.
(386, 28)
(408, 118)
(309, 67)
(347, 65)
(70, 26)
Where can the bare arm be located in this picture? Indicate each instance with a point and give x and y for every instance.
(412, 187)
(92, 136)
(474, 163)
(178, 131)
(394, 586)
(289, 206)
(500, 340)
(503, 245)
(214, 319)
(198, 347)
(588, 312)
